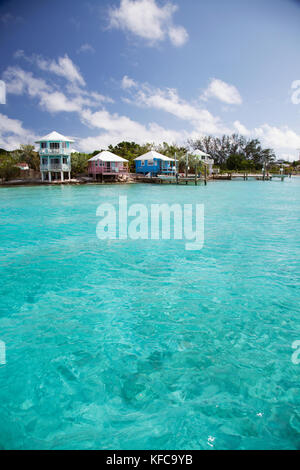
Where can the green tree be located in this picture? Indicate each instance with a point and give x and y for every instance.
(8, 168)
(172, 150)
(27, 154)
(236, 161)
(250, 151)
(79, 163)
(95, 152)
(130, 151)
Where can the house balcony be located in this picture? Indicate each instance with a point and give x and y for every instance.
(55, 167)
(60, 151)
(106, 170)
(114, 171)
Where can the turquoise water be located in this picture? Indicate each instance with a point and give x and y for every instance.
(141, 344)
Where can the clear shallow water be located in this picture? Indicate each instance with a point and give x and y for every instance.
(143, 345)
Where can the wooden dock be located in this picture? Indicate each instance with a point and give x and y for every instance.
(203, 179)
(173, 180)
(249, 176)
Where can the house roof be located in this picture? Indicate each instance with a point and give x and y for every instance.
(152, 154)
(54, 136)
(199, 153)
(23, 166)
(107, 156)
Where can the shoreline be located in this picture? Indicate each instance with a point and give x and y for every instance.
(75, 182)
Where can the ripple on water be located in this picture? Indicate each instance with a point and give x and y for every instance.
(143, 345)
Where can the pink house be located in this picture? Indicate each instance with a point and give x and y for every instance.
(107, 164)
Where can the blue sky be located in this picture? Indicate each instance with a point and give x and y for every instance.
(150, 70)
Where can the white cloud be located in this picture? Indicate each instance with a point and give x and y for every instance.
(290, 157)
(241, 129)
(12, 133)
(128, 82)
(57, 102)
(18, 81)
(13, 126)
(78, 99)
(148, 20)
(86, 97)
(64, 67)
(178, 35)
(80, 95)
(222, 91)
(19, 53)
(85, 48)
(283, 140)
(109, 122)
(117, 128)
(169, 101)
(114, 128)
(278, 138)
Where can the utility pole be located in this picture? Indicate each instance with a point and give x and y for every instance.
(176, 173)
(186, 165)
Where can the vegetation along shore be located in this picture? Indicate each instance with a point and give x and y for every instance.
(233, 153)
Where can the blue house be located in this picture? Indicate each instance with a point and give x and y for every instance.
(154, 163)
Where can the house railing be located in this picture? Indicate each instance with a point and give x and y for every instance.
(114, 170)
(55, 166)
(107, 170)
(59, 151)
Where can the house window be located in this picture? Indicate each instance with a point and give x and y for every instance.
(143, 163)
(56, 161)
(43, 145)
(64, 145)
(54, 145)
(65, 160)
(150, 162)
(44, 161)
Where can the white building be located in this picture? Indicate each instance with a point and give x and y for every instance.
(55, 157)
(204, 158)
